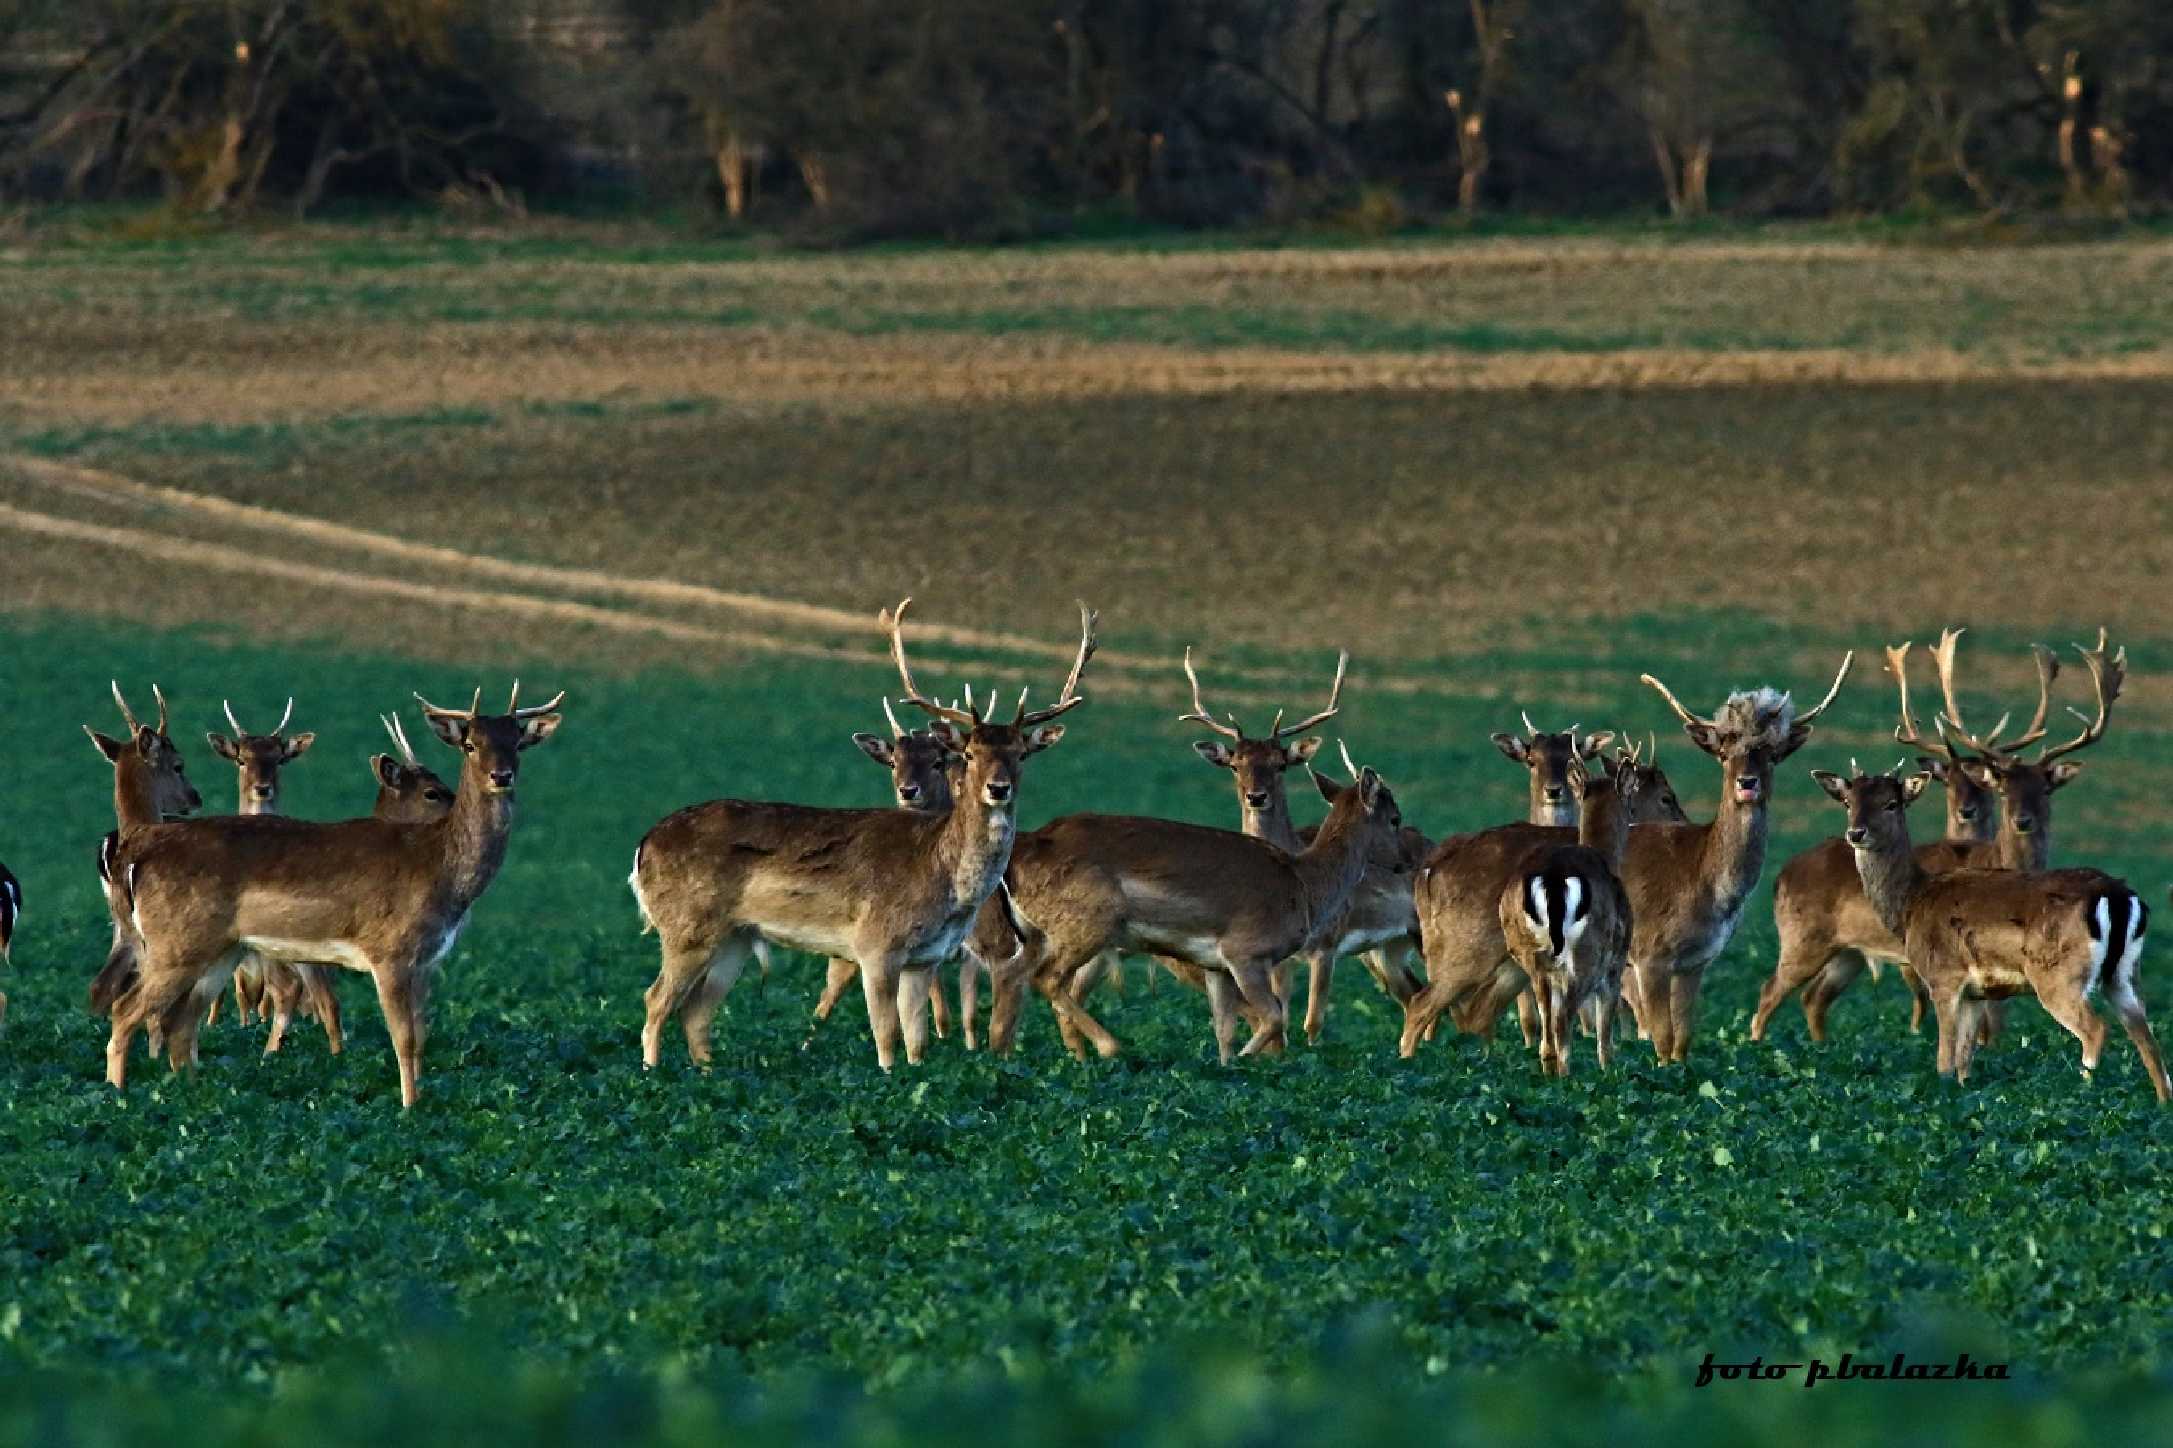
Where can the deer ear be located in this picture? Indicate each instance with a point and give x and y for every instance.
(1370, 788)
(1329, 789)
(2062, 774)
(1041, 736)
(1594, 743)
(1913, 786)
(299, 746)
(1303, 751)
(222, 746)
(452, 728)
(147, 741)
(387, 770)
(1707, 738)
(1833, 784)
(1981, 774)
(111, 748)
(947, 734)
(1936, 768)
(1798, 736)
(1215, 752)
(876, 747)
(535, 731)
(1513, 746)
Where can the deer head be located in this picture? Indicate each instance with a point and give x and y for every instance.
(259, 758)
(148, 770)
(493, 742)
(1876, 804)
(1547, 758)
(1647, 796)
(993, 751)
(920, 764)
(408, 791)
(1256, 764)
(1751, 734)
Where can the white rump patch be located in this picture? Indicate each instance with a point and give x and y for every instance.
(2101, 943)
(1574, 916)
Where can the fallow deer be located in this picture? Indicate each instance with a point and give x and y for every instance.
(1545, 758)
(1976, 936)
(1231, 905)
(894, 891)
(1566, 917)
(150, 784)
(1458, 893)
(378, 896)
(1379, 918)
(1999, 813)
(1688, 883)
(270, 989)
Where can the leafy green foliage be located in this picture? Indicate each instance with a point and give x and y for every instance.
(794, 1212)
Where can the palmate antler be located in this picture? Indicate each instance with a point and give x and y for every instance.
(2106, 677)
(1277, 730)
(892, 621)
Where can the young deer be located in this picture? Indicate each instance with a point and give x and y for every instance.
(1379, 918)
(894, 891)
(1469, 968)
(270, 990)
(150, 785)
(1231, 905)
(1829, 932)
(1976, 936)
(1688, 883)
(379, 896)
(1545, 759)
(922, 774)
(1566, 917)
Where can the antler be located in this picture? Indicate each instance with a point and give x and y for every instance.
(2048, 669)
(1943, 658)
(1070, 698)
(1674, 703)
(1276, 730)
(399, 738)
(128, 715)
(515, 711)
(895, 731)
(470, 712)
(1906, 732)
(893, 621)
(1847, 660)
(1199, 714)
(235, 724)
(2106, 677)
(1345, 750)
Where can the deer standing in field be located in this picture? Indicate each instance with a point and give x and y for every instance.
(1545, 758)
(1229, 904)
(269, 989)
(893, 891)
(1379, 917)
(385, 897)
(1819, 902)
(1975, 936)
(1566, 917)
(150, 785)
(1458, 891)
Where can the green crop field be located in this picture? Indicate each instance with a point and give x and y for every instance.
(242, 491)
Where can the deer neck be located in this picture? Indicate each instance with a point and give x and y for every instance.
(1734, 855)
(2032, 851)
(473, 837)
(135, 803)
(975, 845)
(1604, 825)
(1892, 878)
(1331, 867)
(1271, 824)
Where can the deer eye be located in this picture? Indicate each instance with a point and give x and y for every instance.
(1893, 806)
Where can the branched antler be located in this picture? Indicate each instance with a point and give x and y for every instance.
(2106, 677)
(1070, 698)
(1199, 714)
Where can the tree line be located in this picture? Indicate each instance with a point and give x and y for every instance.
(991, 118)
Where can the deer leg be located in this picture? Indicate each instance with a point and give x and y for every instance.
(937, 1003)
(685, 963)
(1965, 1036)
(1530, 1020)
(1508, 982)
(1947, 1006)
(1007, 991)
(1837, 976)
(1800, 963)
(396, 1000)
(1320, 977)
(325, 997)
(282, 993)
(1077, 1023)
(1603, 1026)
(1991, 1022)
(913, 985)
(879, 986)
(969, 992)
(1424, 1010)
(698, 1008)
(1560, 1014)
(2129, 1005)
(2071, 1008)
(1222, 999)
(838, 978)
(1255, 981)
(1683, 1007)
(1920, 997)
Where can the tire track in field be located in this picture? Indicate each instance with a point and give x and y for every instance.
(76, 481)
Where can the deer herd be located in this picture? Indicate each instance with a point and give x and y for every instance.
(1607, 895)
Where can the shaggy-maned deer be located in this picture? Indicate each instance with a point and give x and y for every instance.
(1231, 905)
(1999, 813)
(378, 896)
(894, 891)
(1976, 936)
(1566, 917)
(1469, 969)
(270, 989)
(1379, 921)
